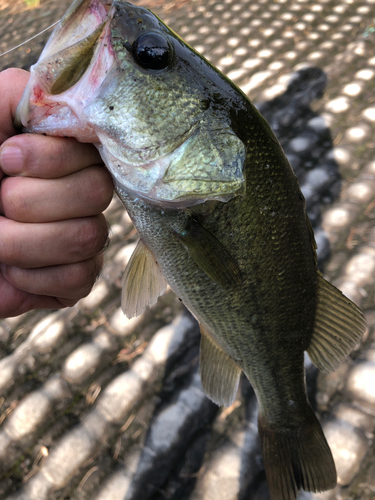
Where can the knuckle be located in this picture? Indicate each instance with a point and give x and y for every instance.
(62, 153)
(11, 247)
(81, 277)
(101, 187)
(13, 201)
(92, 236)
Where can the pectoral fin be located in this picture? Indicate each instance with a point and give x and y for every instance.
(339, 326)
(142, 282)
(220, 375)
(210, 255)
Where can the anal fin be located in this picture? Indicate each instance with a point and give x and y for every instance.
(142, 282)
(339, 326)
(219, 373)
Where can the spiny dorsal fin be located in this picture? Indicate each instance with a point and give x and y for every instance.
(142, 282)
(339, 326)
(220, 375)
(210, 255)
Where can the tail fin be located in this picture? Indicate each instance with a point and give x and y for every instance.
(297, 458)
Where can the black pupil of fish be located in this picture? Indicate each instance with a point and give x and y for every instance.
(152, 51)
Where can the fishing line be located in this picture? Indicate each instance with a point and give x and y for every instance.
(32, 38)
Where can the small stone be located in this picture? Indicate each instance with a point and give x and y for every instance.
(330, 384)
(365, 74)
(118, 484)
(120, 396)
(25, 422)
(145, 368)
(98, 294)
(82, 363)
(256, 80)
(29, 414)
(123, 255)
(7, 370)
(357, 134)
(299, 144)
(338, 105)
(221, 477)
(104, 340)
(169, 339)
(353, 89)
(369, 114)
(47, 333)
(318, 123)
(340, 155)
(122, 325)
(360, 192)
(370, 168)
(348, 446)
(56, 389)
(116, 487)
(351, 290)
(114, 267)
(361, 267)
(318, 178)
(353, 416)
(361, 384)
(38, 488)
(96, 426)
(273, 91)
(69, 455)
(339, 217)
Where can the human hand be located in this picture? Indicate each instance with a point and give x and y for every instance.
(52, 231)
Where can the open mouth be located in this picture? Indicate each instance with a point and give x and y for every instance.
(69, 73)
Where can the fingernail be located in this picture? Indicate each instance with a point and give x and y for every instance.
(11, 160)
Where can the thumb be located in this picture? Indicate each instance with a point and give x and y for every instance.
(12, 85)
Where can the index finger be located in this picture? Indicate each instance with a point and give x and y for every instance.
(46, 157)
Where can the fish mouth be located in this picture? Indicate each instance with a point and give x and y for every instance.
(76, 60)
(72, 67)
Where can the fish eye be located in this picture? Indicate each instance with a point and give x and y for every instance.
(152, 51)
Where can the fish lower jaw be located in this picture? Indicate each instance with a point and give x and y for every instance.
(151, 197)
(145, 182)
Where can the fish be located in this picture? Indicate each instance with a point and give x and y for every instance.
(219, 212)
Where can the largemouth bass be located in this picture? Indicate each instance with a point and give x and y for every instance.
(219, 212)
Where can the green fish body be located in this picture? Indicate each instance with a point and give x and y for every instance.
(220, 215)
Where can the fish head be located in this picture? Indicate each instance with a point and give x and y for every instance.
(115, 75)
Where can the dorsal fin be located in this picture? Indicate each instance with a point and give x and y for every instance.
(142, 282)
(219, 373)
(339, 326)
